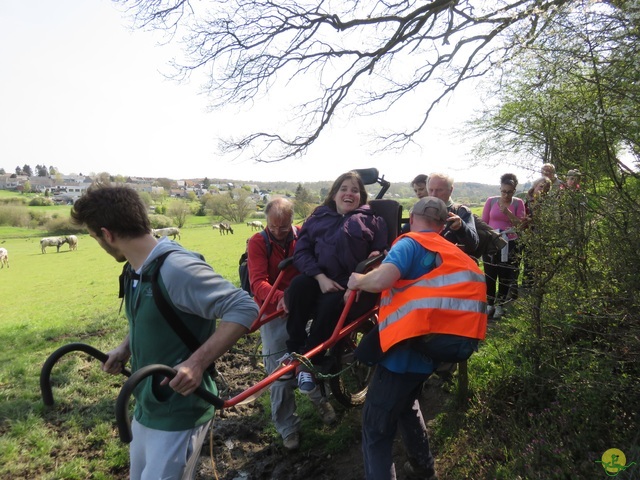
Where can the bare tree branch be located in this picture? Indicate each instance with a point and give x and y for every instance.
(363, 57)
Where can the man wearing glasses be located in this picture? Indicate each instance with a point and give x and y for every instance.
(263, 260)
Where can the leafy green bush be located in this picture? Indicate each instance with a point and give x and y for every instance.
(38, 218)
(13, 201)
(201, 211)
(62, 226)
(14, 216)
(40, 202)
(160, 221)
(556, 383)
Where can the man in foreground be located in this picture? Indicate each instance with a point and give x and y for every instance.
(169, 424)
(431, 291)
(263, 260)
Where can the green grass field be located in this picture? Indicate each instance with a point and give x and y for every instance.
(49, 300)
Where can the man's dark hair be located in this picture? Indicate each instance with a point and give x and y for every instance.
(422, 178)
(119, 209)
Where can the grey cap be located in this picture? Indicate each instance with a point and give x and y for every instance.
(574, 173)
(431, 207)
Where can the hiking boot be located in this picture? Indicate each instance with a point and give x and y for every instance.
(326, 412)
(306, 381)
(291, 441)
(285, 360)
(418, 472)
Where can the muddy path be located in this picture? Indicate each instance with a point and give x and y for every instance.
(245, 447)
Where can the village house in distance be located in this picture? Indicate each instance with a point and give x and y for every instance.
(67, 188)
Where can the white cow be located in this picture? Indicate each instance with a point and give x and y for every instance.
(4, 258)
(52, 242)
(166, 232)
(216, 226)
(72, 240)
(255, 225)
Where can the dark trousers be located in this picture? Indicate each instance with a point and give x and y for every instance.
(306, 301)
(392, 405)
(502, 274)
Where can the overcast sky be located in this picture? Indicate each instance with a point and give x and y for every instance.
(82, 92)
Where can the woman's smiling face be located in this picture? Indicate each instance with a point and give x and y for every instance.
(348, 197)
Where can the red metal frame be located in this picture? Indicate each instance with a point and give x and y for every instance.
(339, 332)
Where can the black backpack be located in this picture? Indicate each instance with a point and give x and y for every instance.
(491, 242)
(243, 264)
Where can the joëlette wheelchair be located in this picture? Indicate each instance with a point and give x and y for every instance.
(348, 379)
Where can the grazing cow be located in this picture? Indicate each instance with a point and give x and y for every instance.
(216, 226)
(166, 232)
(255, 225)
(225, 228)
(72, 240)
(4, 258)
(52, 242)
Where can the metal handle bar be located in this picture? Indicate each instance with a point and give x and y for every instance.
(369, 263)
(261, 319)
(45, 373)
(285, 263)
(122, 403)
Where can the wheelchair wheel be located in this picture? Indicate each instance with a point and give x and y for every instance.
(350, 387)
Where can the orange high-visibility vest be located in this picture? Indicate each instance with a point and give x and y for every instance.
(449, 299)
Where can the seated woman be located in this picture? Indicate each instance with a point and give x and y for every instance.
(337, 236)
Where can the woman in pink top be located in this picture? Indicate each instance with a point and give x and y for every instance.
(503, 213)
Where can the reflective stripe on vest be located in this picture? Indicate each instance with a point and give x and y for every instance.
(451, 298)
(439, 282)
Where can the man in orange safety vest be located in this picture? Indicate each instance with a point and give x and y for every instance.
(432, 310)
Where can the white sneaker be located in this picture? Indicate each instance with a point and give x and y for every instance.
(326, 411)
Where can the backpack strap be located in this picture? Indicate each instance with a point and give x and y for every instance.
(170, 315)
(295, 231)
(167, 311)
(267, 241)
